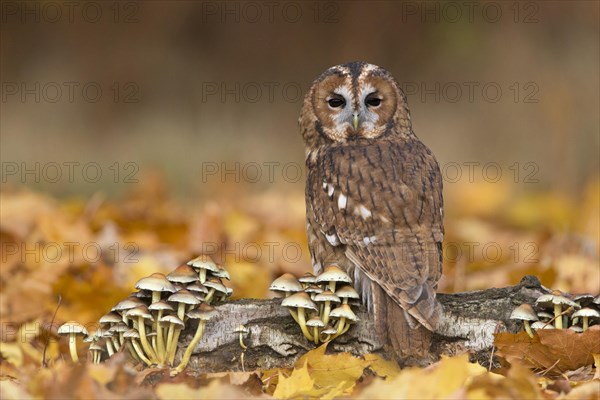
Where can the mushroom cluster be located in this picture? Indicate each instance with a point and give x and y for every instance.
(147, 324)
(322, 304)
(557, 310)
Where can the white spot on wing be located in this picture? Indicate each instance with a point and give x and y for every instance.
(342, 201)
(324, 185)
(333, 239)
(329, 190)
(364, 212)
(369, 239)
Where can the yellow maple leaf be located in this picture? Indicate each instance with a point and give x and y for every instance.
(298, 384)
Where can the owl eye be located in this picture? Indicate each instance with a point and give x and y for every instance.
(372, 100)
(336, 102)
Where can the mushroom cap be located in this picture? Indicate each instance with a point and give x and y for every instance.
(96, 347)
(222, 274)
(576, 328)
(183, 274)
(299, 300)
(541, 325)
(110, 318)
(524, 313)
(586, 312)
(143, 294)
(203, 312)
(215, 283)
(171, 319)
(347, 291)
(119, 327)
(307, 278)
(241, 329)
(128, 303)
(333, 273)
(315, 321)
(131, 334)
(203, 261)
(544, 314)
(328, 296)
(313, 289)
(156, 283)
(141, 311)
(343, 311)
(548, 300)
(184, 296)
(329, 330)
(197, 287)
(286, 283)
(596, 300)
(583, 299)
(72, 327)
(160, 305)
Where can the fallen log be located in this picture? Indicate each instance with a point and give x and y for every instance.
(275, 341)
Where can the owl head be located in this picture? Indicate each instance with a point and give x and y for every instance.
(351, 102)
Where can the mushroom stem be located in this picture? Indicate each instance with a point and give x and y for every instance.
(161, 351)
(209, 296)
(144, 340)
(558, 323)
(242, 344)
(140, 353)
(326, 311)
(188, 352)
(316, 334)
(340, 327)
(173, 348)
(586, 323)
(202, 275)
(132, 351)
(73, 347)
(302, 322)
(109, 348)
(528, 328)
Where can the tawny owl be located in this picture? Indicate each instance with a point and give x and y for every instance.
(374, 199)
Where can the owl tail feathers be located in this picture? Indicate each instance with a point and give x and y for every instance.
(411, 345)
(426, 309)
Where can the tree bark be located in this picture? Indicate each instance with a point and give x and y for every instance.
(275, 341)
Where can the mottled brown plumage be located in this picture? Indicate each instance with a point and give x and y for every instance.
(374, 199)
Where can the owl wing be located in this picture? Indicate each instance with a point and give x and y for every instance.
(381, 205)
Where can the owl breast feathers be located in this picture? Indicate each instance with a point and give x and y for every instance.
(373, 193)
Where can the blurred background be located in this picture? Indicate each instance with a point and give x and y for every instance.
(173, 126)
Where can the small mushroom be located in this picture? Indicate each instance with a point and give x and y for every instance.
(202, 264)
(343, 312)
(160, 307)
(133, 335)
(72, 328)
(242, 330)
(175, 326)
(301, 302)
(183, 298)
(526, 314)
(327, 297)
(307, 279)
(585, 314)
(537, 325)
(204, 312)
(214, 285)
(286, 283)
(222, 274)
(156, 283)
(96, 351)
(333, 275)
(556, 300)
(141, 313)
(183, 274)
(315, 323)
(544, 316)
(576, 328)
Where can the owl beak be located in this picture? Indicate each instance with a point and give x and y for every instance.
(355, 121)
